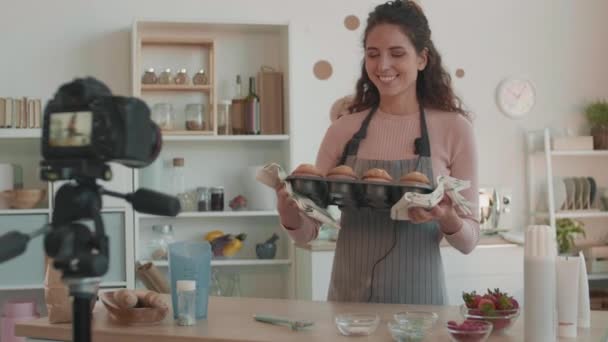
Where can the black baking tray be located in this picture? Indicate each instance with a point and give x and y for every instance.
(353, 193)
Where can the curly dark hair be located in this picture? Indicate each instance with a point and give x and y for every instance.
(433, 85)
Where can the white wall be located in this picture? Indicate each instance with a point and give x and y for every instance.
(562, 46)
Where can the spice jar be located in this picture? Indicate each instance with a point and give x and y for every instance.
(204, 199)
(224, 127)
(162, 115)
(217, 198)
(195, 117)
(165, 77)
(186, 302)
(200, 78)
(159, 245)
(182, 77)
(149, 77)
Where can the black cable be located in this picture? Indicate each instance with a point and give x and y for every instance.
(371, 286)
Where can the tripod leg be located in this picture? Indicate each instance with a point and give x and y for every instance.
(82, 318)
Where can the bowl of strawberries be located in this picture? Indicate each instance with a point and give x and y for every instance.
(495, 307)
(469, 331)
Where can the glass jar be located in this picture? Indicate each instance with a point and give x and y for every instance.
(165, 77)
(159, 245)
(224, 127)
(149, 77)
(204, 199)
(195, 117)
(200, 78)
(182, 77)
(217, 198)
(186, 302)
(162, 115)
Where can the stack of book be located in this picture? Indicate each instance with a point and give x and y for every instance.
(20, 112)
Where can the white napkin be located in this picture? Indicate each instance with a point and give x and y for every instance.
(273, 175)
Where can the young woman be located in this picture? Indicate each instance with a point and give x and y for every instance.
(403, 117)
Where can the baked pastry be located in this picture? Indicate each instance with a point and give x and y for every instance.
(415, 177)
(377, 175)
(342, 172)
(307, 170)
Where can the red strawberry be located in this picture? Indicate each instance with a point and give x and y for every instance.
(486, 305)
(471, 300)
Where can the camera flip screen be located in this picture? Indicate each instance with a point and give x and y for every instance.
(70, 129)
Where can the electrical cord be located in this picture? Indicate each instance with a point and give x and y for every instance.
(371, 286)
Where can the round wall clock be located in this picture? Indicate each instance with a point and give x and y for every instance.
(515, 97)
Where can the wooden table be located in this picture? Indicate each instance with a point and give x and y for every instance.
(230, 320)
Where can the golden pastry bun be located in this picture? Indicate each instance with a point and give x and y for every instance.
(416, 177)
(342, 172)
(377, 175)
(307, 170)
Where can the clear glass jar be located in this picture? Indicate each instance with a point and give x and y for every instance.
(162, 115)
(186, 302)
(204, 199)
(159, 244)
(195, 117)
(165, 77)
(182, 77)
(149, 77)
(224, 127)
(200, 78)
(217, 198)
(187, 200)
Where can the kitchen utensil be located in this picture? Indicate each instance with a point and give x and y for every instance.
(291, 323)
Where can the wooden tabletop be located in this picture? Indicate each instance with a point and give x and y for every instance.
(230, 320)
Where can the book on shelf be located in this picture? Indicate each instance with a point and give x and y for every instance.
(2, 112)
(20, 112)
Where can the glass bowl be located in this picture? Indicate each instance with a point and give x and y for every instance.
(406, 331)
(357, 324)
(419, 319)
(502, 320)
(477, 332)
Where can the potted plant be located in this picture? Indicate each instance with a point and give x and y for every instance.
(567, 229)
(597, 115)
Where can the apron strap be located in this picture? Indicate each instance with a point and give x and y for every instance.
(422, 145)
(352, 147)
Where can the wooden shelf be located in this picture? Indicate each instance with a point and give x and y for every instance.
(237, 262)
(20, 133)
(24, 211)
(274, 137)
(597, 276)
(175, 87)
(175, 40)
(244, 213)
(575, 214)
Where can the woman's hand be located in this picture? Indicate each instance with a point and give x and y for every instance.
(444, 213)
(289, 212)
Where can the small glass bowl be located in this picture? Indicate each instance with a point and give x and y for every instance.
(478, 335)
(406, 332)
(502, 320)
(423, 320)
(357, 324)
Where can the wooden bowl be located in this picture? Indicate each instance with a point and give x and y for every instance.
(132, 316)
(24, 198)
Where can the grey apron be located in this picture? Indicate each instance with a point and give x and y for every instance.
(381, 260)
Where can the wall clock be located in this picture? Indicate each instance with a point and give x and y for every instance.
(515, 96)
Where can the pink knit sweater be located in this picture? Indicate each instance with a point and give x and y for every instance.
(391, 137)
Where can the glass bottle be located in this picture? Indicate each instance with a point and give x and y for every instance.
(217, 198)
(195, 117)
(215, 288)
(165, 77)
(159, 245)
(224, 127)
(149, 77)
(186, 199)
(162, 115)
(238, 88)
(182, 77)
(204, 199)
(186, 302)
(252, 110)
(200, 78)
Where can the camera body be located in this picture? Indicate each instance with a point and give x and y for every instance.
(84, 122)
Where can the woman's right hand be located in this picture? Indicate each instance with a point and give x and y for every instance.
(289, 212)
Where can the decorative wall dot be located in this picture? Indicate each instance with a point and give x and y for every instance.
(322, 70)
(460, 73)
(351, 22)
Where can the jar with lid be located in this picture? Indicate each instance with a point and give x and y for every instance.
(186, 302)
(159, 244)
(165, 77)
(195, 117)
(224, 127)
(182, 77)
(200, 78)
(162, 115)
(204, 199)
(217, 198)
(149, 77)
(186, 199)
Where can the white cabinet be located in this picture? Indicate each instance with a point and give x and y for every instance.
(488, 266)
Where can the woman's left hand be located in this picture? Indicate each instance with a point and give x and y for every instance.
(444, 213)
